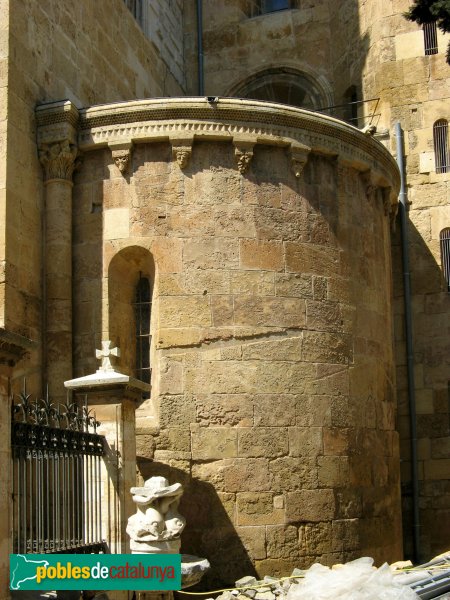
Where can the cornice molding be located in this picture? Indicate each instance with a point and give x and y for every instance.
(230, 120)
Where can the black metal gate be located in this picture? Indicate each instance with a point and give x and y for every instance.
(56, 477)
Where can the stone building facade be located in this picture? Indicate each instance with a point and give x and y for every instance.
(276, 341)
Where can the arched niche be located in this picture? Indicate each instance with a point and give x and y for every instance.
(128, 269)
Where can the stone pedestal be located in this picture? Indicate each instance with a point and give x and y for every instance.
(113, 398)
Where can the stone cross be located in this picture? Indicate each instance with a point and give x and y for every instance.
(104, 355)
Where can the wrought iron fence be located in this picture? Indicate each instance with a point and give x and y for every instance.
(56, 477)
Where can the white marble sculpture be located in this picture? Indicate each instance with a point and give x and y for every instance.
(157, 525)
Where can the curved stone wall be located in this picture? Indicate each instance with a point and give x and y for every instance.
(273, 383)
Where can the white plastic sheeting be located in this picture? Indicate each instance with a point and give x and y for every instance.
(356, 580)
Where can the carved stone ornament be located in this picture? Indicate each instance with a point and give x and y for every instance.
(182, 154)
(121, 159)
(121, 154)
(299, 158)
(105, 356)
(157, 525)
(58, 159)
(370, 188)
(390, 205)
(243, 151)
(182, 149)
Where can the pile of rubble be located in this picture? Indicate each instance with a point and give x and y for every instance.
(268, 588)
(356, 580)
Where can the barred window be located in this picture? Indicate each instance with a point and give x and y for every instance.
(445, 255)
(142, 310)
(136, 9)
(351, 105)
(430, 38)
(440, 139)
(262, 7)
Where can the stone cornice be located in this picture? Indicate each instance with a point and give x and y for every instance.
(230, 119)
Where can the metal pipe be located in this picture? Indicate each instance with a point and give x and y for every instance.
(201, 85)
(403, 209)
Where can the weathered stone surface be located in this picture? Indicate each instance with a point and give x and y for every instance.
(257, 442)
(261, 255)
(212, 443)
(257, 509)
(266, 416)
(269, 312)
(282, 541)
(310, 505)
(284, 349)
(305, 441)
(224, 410)
(250, 475)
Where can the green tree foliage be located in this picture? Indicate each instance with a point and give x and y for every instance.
(427, 11)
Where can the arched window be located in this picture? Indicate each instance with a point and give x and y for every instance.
(131, 274)
(430, 38)
(444, 238)
(283, 85)
(142, 312)
(440, 139)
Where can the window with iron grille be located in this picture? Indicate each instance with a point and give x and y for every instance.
(142, 308)
(440, 139)
(136, 9)
(445, 255)
(430, 38)
(262, 7)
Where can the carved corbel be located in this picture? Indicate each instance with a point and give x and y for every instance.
(182, 151)
(390, 204)
(121, 154)
(243, 152)
(299, 158)
(369, 186)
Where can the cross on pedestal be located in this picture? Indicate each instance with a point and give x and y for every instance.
(104, 355)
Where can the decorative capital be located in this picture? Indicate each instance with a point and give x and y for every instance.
(58, 159)
(105, 356)
(57, 139)
(243, 151)
(121, 154)
(299, 158)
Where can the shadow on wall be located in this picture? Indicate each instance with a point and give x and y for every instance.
(209, 529)
(430, 306)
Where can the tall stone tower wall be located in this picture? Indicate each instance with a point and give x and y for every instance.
(414, 90)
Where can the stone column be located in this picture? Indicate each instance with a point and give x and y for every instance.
(58, 153)
(113, 397)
